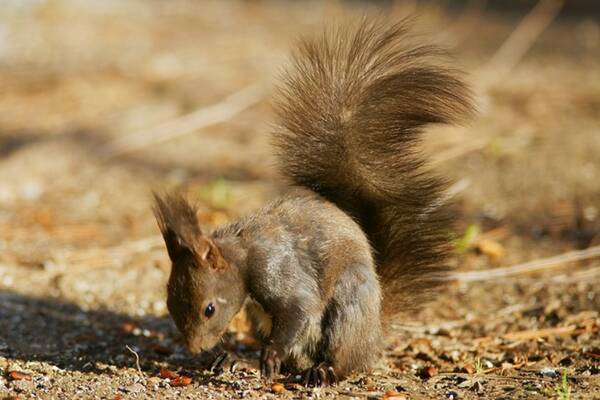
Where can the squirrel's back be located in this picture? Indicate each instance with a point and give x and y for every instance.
(351, 112)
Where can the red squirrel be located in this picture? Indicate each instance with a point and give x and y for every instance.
(362, 236)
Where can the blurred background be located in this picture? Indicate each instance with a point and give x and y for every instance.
(103, 101)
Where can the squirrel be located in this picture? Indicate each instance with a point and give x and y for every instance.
(363, 235)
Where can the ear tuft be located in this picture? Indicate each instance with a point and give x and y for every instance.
(177, 222)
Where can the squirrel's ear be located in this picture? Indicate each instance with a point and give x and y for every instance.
(202, 248)
(208, 252)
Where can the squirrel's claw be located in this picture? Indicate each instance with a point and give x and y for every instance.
(270, 363)
(321, 375)
(217, 365)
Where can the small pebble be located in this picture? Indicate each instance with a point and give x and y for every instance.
(154, 380)
(136, 388)
(451, 395)
(549, 372)
(21, 386)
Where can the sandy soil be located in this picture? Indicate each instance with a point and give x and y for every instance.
(82, 268)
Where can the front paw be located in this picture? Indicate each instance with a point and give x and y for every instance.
(320, 375)
(270, 362)
(216, 366)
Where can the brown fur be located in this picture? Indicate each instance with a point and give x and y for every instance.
(309, 265)
(200, 275)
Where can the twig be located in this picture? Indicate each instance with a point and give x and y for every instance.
(540, 333)
(448, 195)
(532, 266)
(535, 333)
(588, 274)
(424, 329)
(522, 38)
(449, 325)
(443, 375)
(201, 118)
(508, 378)
(137, 358)
(468, 146)
(454, 190)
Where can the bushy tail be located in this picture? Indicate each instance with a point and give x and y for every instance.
(351, 112)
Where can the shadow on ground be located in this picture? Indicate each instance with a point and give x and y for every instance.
(68, 337)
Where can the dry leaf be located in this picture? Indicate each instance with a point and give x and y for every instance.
(469, 369)
(430, 371)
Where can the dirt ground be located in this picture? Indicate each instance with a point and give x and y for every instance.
(88, 90)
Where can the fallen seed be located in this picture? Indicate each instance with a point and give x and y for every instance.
(168, 374)
(393, 395)
(127, 327)
(277, 388)
(19, 376)
(181, 381)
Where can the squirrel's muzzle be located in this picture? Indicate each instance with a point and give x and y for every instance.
(200, 343)
(194, 346)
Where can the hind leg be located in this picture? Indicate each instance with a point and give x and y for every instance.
(352, 339)
(345, 337)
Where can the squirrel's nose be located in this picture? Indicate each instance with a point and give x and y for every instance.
(193, 345)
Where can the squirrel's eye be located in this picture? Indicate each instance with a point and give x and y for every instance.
(209, 310)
